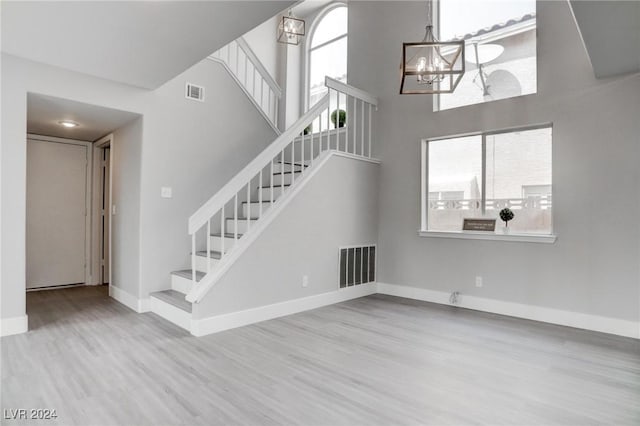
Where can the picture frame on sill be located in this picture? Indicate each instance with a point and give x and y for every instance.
(479, 224)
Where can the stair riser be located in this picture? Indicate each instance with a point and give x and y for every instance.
(171, 313)
(242, 226)
(266, 192)
(181, 284)
(216, 243)
(201, 263)
(278, 168)
(255, 209)
(287, 178)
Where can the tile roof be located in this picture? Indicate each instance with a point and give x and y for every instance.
(510, 22)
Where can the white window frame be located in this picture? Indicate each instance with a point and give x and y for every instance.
(424, 192)
(307, 48)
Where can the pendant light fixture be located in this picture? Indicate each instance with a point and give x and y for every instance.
(290, 30)
(431, 66)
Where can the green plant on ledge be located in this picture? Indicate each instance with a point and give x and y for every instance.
(343, 117)
(506, 215)
(307, 130)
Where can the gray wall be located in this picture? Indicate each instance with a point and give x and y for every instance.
(594, 266)
(193, 147)
(303, 240)
(126, 149)
(263, 41)
(195, 155)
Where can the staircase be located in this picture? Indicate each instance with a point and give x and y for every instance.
(226, 225)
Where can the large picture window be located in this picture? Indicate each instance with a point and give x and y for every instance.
(327, 54)
(478, 175)
(500, 49)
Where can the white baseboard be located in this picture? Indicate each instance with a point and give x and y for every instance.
(14, 325)
(218, 323)
(537, 313)
(130, 301)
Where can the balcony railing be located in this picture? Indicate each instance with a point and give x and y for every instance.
(529, 203)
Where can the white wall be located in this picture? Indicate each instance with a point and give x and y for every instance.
(594, 266)
(263, 41)
(126, 151)
(303, 240)
(193, 147)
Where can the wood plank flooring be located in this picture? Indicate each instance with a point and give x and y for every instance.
(377, 360)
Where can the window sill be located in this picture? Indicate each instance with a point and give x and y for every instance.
(469, 235)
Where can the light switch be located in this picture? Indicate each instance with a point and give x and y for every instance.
(113, 209)
(166, 192)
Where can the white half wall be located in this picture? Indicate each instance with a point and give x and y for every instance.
(594, 266)
(302, 240)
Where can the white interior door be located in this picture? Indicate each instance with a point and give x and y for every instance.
(56, 213)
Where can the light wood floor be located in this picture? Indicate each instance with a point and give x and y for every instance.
(378, 360)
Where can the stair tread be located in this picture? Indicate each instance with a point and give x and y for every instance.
(186, 273)
(242, 218)
(295, 164)
(226, 235)
(257, 202)
(286, 173)
(174, 298)
(274, 186)
(212, 254)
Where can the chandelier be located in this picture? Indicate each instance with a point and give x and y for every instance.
(431, 66)
(290, 30)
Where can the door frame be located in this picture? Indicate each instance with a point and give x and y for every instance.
(88, 197)
(98, 146)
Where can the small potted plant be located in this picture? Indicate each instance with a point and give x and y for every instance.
(506, 215)
(307, 130)
(343, 117)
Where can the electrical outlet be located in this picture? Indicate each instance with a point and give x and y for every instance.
(478, 281)
(166, 192)
(305, 281)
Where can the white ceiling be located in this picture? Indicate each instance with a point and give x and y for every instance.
(308, 8)
(611, 34)
(44, 113)
(140, 43)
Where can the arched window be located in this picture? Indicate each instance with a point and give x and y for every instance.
(327, 52)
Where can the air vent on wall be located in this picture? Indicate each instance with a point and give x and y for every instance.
(357, 265)
(195, 93)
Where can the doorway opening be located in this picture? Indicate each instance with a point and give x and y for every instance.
(103, 212)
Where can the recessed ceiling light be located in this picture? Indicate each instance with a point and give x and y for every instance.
(68, 124)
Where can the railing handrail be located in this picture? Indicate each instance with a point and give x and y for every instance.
(259, 66)
(341, 87)
(215, 203)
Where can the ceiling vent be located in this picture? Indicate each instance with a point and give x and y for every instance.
(195, 93)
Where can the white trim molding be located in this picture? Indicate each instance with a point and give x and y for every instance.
(138, 305)
(204, 326)
(598, 323)
(14, 325)
(470, 235)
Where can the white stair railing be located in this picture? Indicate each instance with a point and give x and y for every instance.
(288, 158)
(252, 77)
